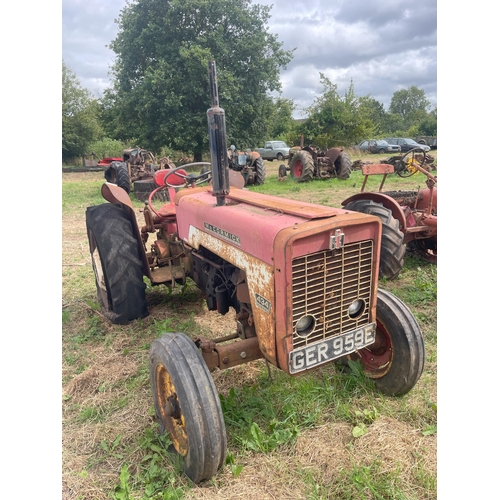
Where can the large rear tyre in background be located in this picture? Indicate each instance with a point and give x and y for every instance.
(302, 166)
(396, 360)
(187, 405)
(260, 171)
(393, 249)
(117, 264)
(117, 173)
(343, 166)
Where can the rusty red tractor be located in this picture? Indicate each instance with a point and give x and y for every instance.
(309, 162)
(409, 218)
(249, 164)
(300, 278)
(136, 168)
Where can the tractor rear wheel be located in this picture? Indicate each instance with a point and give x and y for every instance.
(117, 173)
(302, 166)
(343, 166)
(117, 264)
(396, 360)
(392, 249)
(260, 171)
(187, 405)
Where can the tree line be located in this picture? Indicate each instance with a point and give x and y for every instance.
(159, 93)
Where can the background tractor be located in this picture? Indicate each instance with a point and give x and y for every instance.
(136, 168)
(310, 162)
(300, 278)
(249, 164)
(409, 218)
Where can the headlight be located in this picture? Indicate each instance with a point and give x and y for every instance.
(305, 326)
(356, 308)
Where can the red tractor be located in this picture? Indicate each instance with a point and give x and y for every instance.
(309, 162)
(301, 280)
(409, 218)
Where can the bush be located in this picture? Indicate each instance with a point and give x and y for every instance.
(106, 148)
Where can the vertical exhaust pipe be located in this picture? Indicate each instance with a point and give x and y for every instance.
(217, 140)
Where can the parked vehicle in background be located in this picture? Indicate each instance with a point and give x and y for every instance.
(274, 150)
(428, 140)
(378, 146)
(406, 144)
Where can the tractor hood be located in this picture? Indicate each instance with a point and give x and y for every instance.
(249, 221)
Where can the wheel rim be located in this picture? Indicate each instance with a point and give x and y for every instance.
(297, 168)
(170, 410)
(377, 358)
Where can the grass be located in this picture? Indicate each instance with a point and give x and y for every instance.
(327, 434)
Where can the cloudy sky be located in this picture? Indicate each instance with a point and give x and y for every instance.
(381, 45)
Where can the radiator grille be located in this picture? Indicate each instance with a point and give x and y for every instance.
(325, 284)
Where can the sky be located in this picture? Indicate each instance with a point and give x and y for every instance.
(381, 45)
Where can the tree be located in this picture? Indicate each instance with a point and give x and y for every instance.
(374, 111)
(335, 120)
(160, 91)
(411, 104)
(80, 116)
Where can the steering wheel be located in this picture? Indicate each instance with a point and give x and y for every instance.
(411, 163)
(180, 178)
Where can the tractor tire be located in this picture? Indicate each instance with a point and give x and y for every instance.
(302, 166)
(187, 405)
(343, 166)
(260, 171)
(117, 173)
(117, 264)
(393, 249)
(396, 360)
(143, 188)
(282, 171)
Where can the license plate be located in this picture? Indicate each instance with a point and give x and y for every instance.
(330, 349)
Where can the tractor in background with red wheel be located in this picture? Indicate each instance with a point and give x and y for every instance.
(301, 280)
(409, 218)
(310, 162)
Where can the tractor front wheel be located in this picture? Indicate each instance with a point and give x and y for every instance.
(396, 360)
(302, 166)
(393, 249)
(187, 405)
(117, 264)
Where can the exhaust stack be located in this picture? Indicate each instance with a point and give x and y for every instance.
(217, 140)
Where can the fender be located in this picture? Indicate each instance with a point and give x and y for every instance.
(116, 195)
(386, 201)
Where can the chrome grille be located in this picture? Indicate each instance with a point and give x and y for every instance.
(325, 284)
